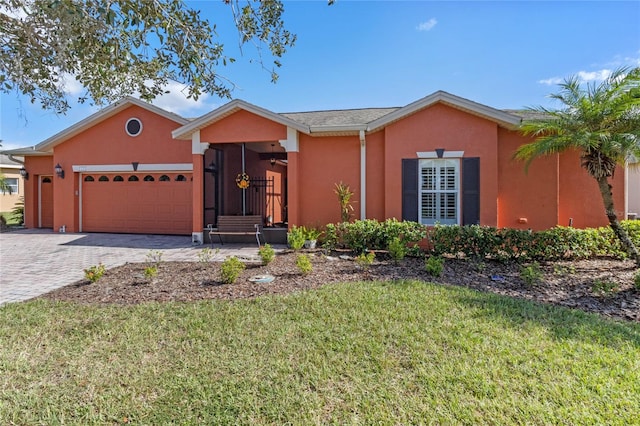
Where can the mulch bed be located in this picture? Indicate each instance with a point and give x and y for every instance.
(581, 284)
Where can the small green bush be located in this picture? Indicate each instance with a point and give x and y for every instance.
(397, 249)
(604, 288)
(205, 255)
(150, 272)
(434, 266)
(94, 273)
(154, 256)
(303, 262)
(531, 274)
(636, 280)
(365, 260)
(230, 270)
(296, 237)
(267, 254)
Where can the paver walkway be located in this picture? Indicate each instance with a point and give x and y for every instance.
(36, 261)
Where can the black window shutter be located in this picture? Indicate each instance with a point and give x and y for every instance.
(410, 189)
(471, 191)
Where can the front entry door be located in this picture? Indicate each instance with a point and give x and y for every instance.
(45, 210)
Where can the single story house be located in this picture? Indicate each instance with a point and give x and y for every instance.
(135, 168)
(10, 170)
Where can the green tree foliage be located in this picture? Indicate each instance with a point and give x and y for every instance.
(115, 48)
(602, 122)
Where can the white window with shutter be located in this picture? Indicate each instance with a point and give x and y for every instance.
(439, 191)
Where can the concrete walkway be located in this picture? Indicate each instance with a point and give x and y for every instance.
(36, 261)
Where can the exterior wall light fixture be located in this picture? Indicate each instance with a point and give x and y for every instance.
(59, 171)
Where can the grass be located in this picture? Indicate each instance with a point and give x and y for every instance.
(362, 353)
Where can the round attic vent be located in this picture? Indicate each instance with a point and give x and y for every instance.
(133, 126)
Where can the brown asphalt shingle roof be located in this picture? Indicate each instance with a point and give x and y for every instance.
(339, 117)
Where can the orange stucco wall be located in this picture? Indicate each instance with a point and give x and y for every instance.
(441, 126)
(376, 163)
(243, 126)
(526, 199)
(323, 162)
(580, 197)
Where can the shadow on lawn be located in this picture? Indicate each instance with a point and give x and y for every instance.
(563, 323)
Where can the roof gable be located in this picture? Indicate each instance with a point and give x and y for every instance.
(46, 147)
(232, 107)
(504, 119)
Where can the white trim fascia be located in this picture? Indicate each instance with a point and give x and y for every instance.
(128, 168)
(505, 119)
(30, 151)
(108, 111)
(235, 105)
(11, 166)
(338, 129)
(292, 143)
(446, 154)
(363, 175)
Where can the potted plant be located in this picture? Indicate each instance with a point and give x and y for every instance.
(311, 237)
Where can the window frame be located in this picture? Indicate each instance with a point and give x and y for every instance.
(438, 164)
(15, 188)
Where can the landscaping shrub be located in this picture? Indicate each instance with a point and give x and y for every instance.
(94, 273)
(604, 288)
(205, 255)
(230, 270)
(531, 274)
(296, 237)
(304, 264)
(434, 266)
(397, 249)
(503, 244)
(365, 260)
(361, 236)
(267, 254)
(150, 272)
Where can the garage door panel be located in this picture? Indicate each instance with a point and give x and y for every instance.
(159, 207)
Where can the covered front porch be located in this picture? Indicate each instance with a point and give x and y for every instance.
(246, 179)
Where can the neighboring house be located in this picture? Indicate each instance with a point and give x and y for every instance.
(133, 167)
(10, 169)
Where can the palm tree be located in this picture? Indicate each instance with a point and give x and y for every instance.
(602, 122)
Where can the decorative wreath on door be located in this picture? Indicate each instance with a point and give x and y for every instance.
(242, 180)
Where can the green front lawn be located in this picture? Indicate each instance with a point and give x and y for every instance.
(366, 353)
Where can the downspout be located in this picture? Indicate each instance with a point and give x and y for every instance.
(363, 176)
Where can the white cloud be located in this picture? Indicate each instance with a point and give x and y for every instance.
(427, 26)
(176, 101)
(551, 81)
(587, 76)
(583, 77)
(71, 86)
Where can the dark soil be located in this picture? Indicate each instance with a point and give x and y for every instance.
(604, 286)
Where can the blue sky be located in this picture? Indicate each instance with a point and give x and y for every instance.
(358, 54)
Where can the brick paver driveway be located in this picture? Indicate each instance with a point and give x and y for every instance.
(35, 261)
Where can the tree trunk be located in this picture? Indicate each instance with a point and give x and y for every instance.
(618, 230)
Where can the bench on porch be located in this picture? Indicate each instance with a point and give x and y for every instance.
(237, 225)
